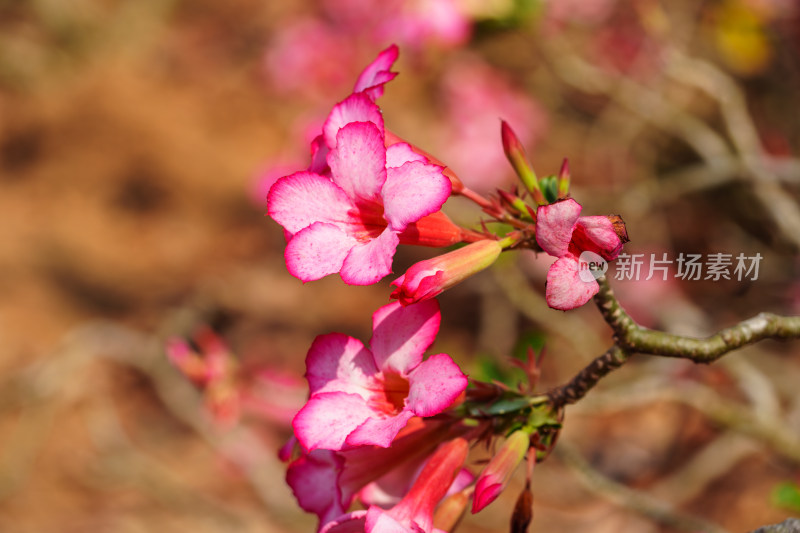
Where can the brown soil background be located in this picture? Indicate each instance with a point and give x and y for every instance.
(130, 135)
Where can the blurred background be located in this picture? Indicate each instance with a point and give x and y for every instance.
(138, 139)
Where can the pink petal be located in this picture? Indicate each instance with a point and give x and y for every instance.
(369, 262)
(400, 335)
(400, 153)
(412, 191)
(379, 521)
(597, 235)
(378, 73)
(348, 523)
(420, 283)
(565, 289)
(358, 163)
(314, 480)
(297, 201)
(317, 251)
(328, 418)
(554, 225)
(379, 431)
(486, 491)
(435, 384)
(355, 108)
(319, 155)
(338, 363)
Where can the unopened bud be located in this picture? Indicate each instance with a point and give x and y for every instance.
(450, 511)
(495, 476)
(523, 511)
(563, 180)
(515, 153)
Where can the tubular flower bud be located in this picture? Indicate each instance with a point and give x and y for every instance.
(495, 476)
(427, 279)
(515, 153)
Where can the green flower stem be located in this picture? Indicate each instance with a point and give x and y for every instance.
(637, 339)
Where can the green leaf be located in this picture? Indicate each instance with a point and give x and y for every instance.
(786, 496)
(549, 186)
(489, 369)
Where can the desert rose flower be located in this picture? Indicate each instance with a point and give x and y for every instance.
(347, 213)
(362, 396)
(428, 278)
(351, 222)
(414, 513)
(563, 233)
(326, 482)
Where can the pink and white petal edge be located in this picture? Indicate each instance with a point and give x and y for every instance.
(352, 522)
(309, 475)
(400, 153)
(358, 163)
(377, 73)
(413, 191)
(554, 226)
(355, 108)
(434, 385)
(327, 419)
(317, 251)
(380, 521)
(379, 430)
(565, 289)
(400, 335)
(300, 199)
(369, 262)
(339, 363)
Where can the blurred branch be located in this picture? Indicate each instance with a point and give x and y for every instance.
(731, 414)
(718, 155)
(56, 377)
(741, 130)
(659, 511)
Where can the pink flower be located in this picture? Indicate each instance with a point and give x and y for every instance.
(294, 63)
(213, 369)
(562, 233)
(414, 23)
(495, 476)
(369, 85)
(326, 482)
(346, 215)
(428, 278)
(363, 396)
(414, 513)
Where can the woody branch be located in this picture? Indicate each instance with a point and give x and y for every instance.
(631, 338)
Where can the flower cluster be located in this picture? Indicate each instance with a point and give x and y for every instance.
(384, 425)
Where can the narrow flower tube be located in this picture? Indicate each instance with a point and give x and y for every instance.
(437, 230)
(429, 278)
(495, 476)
